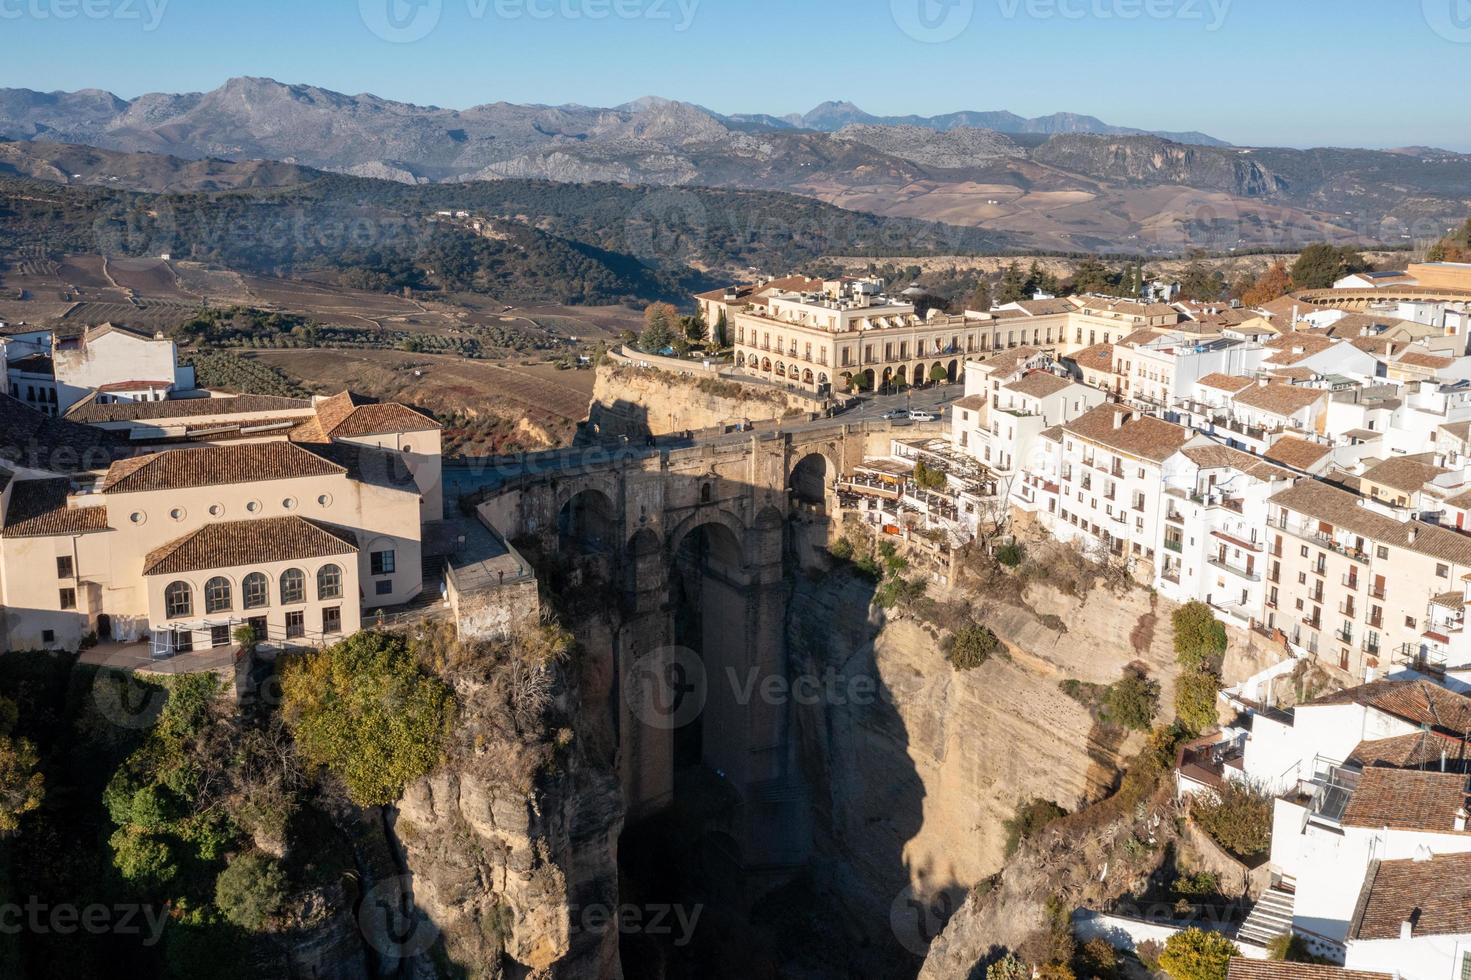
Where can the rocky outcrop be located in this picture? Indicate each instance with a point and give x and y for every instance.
(636, 402)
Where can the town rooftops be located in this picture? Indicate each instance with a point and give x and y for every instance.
(1418, 750)
(41, 442)
(1039, 384)
(1417, 701)
(1099, 357)
(230, 544)
(972, 403)
(1044, 307)
(1243, 969)
(217, 466)
(1407, 473)
(1408, 799)
(1215, 457)
(1297, 346)
(1279, 399)
(1225, 382)
(90, 411)
(1005, 363)
(1433, 896)
(1297, 452)
(347, 416)
(1117, 428)
(41, 509)
(1341, 509)
(746, 291)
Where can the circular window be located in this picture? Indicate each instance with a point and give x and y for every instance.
(408, 450)
(178, 513)
(216, 510)
(289, 503)
(138, 517)
(252, 506)
(325, 500)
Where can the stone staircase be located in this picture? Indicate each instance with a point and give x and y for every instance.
(1272, 917)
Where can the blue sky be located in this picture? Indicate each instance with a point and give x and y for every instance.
(1265, 72)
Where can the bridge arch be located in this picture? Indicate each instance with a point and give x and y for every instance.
(703, 517)
(587, 523)
(811, 476)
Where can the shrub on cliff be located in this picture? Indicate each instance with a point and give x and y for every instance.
(1195, 701)
(1008, 968)
(250, 890)
(971, 646)
(1197, 955)
(1239, 819)
(1132, 702)
(364, 710)
(1029, 820)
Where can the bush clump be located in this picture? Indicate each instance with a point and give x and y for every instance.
(1197, 955)
(1030, 818)
(1239, 818)
(971, 646)
(250, 891)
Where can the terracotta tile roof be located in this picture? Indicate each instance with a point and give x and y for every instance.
(1416, 701)
(39, 509)
(346, 416)
(1434, 896)
(787, 284)
(41, 442)
(231, 544)
(136, 385)
(1115, 427)
(1005, 363)
(1099, 357)
(183, 408)
(1294, 374)
(1217, 457)
(1407, 473)
(1225, 382)
(1242, 969)
(1039, 384)
(1418, 359)
(217, 466)
(1297, 346)
(1417, 750)
(1297, 453)
(972, 403)
(1378, 346)
(1045, 307)
(1458, 430)
(1279, 399)
(1407, 799)
(1139, 337)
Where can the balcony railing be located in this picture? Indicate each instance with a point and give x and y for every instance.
(1351, 582)
(1178, 547)
(1237, 570)
(1376, 592)
(1344, 635)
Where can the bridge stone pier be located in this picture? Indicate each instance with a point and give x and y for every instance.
(683, 558)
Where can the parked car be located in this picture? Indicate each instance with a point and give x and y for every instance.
(923, 417)
(895, 415)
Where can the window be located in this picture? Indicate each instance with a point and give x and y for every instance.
(178, 600)
(219, 636)
(64, 567)
(256, 591)
(383, 562)
(332, 620)
(183, 641)
(329, 582)
(1304, 551)
(48, 637)
(68, 598)
(295, 625)
(385, 587)
(261, 627)
(293, 586)
(1382, 552)
(1442, 571)
(217, 595)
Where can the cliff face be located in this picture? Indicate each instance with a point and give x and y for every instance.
(912, 785)
(638, 402)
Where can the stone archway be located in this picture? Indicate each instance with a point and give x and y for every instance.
(810, 479)
(587, 524)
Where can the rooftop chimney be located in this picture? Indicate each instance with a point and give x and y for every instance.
(1461, 820)
(1414, 535)
(1406, 930)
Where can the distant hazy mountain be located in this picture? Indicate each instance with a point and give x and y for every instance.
(1063, 181)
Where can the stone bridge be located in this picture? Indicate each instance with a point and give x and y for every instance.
(679, 563)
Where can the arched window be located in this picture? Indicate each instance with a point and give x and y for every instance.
(217, 595)
(329, 582)
(256, 590)
(178, 600)
(293, 586)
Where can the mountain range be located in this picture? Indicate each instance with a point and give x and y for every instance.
(1062, 182)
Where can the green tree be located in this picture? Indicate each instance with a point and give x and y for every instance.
(1197, 955)
(938, 373)
(1201, 284)
(1195, 701)
(930, 478)
(22, 787)
(662, 327)
(364, 710)
(250, 890)
(1200, 638)
(980, 297)
(1320, 266)
(1013, 285)
(1132, 702)
(1093, 277)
